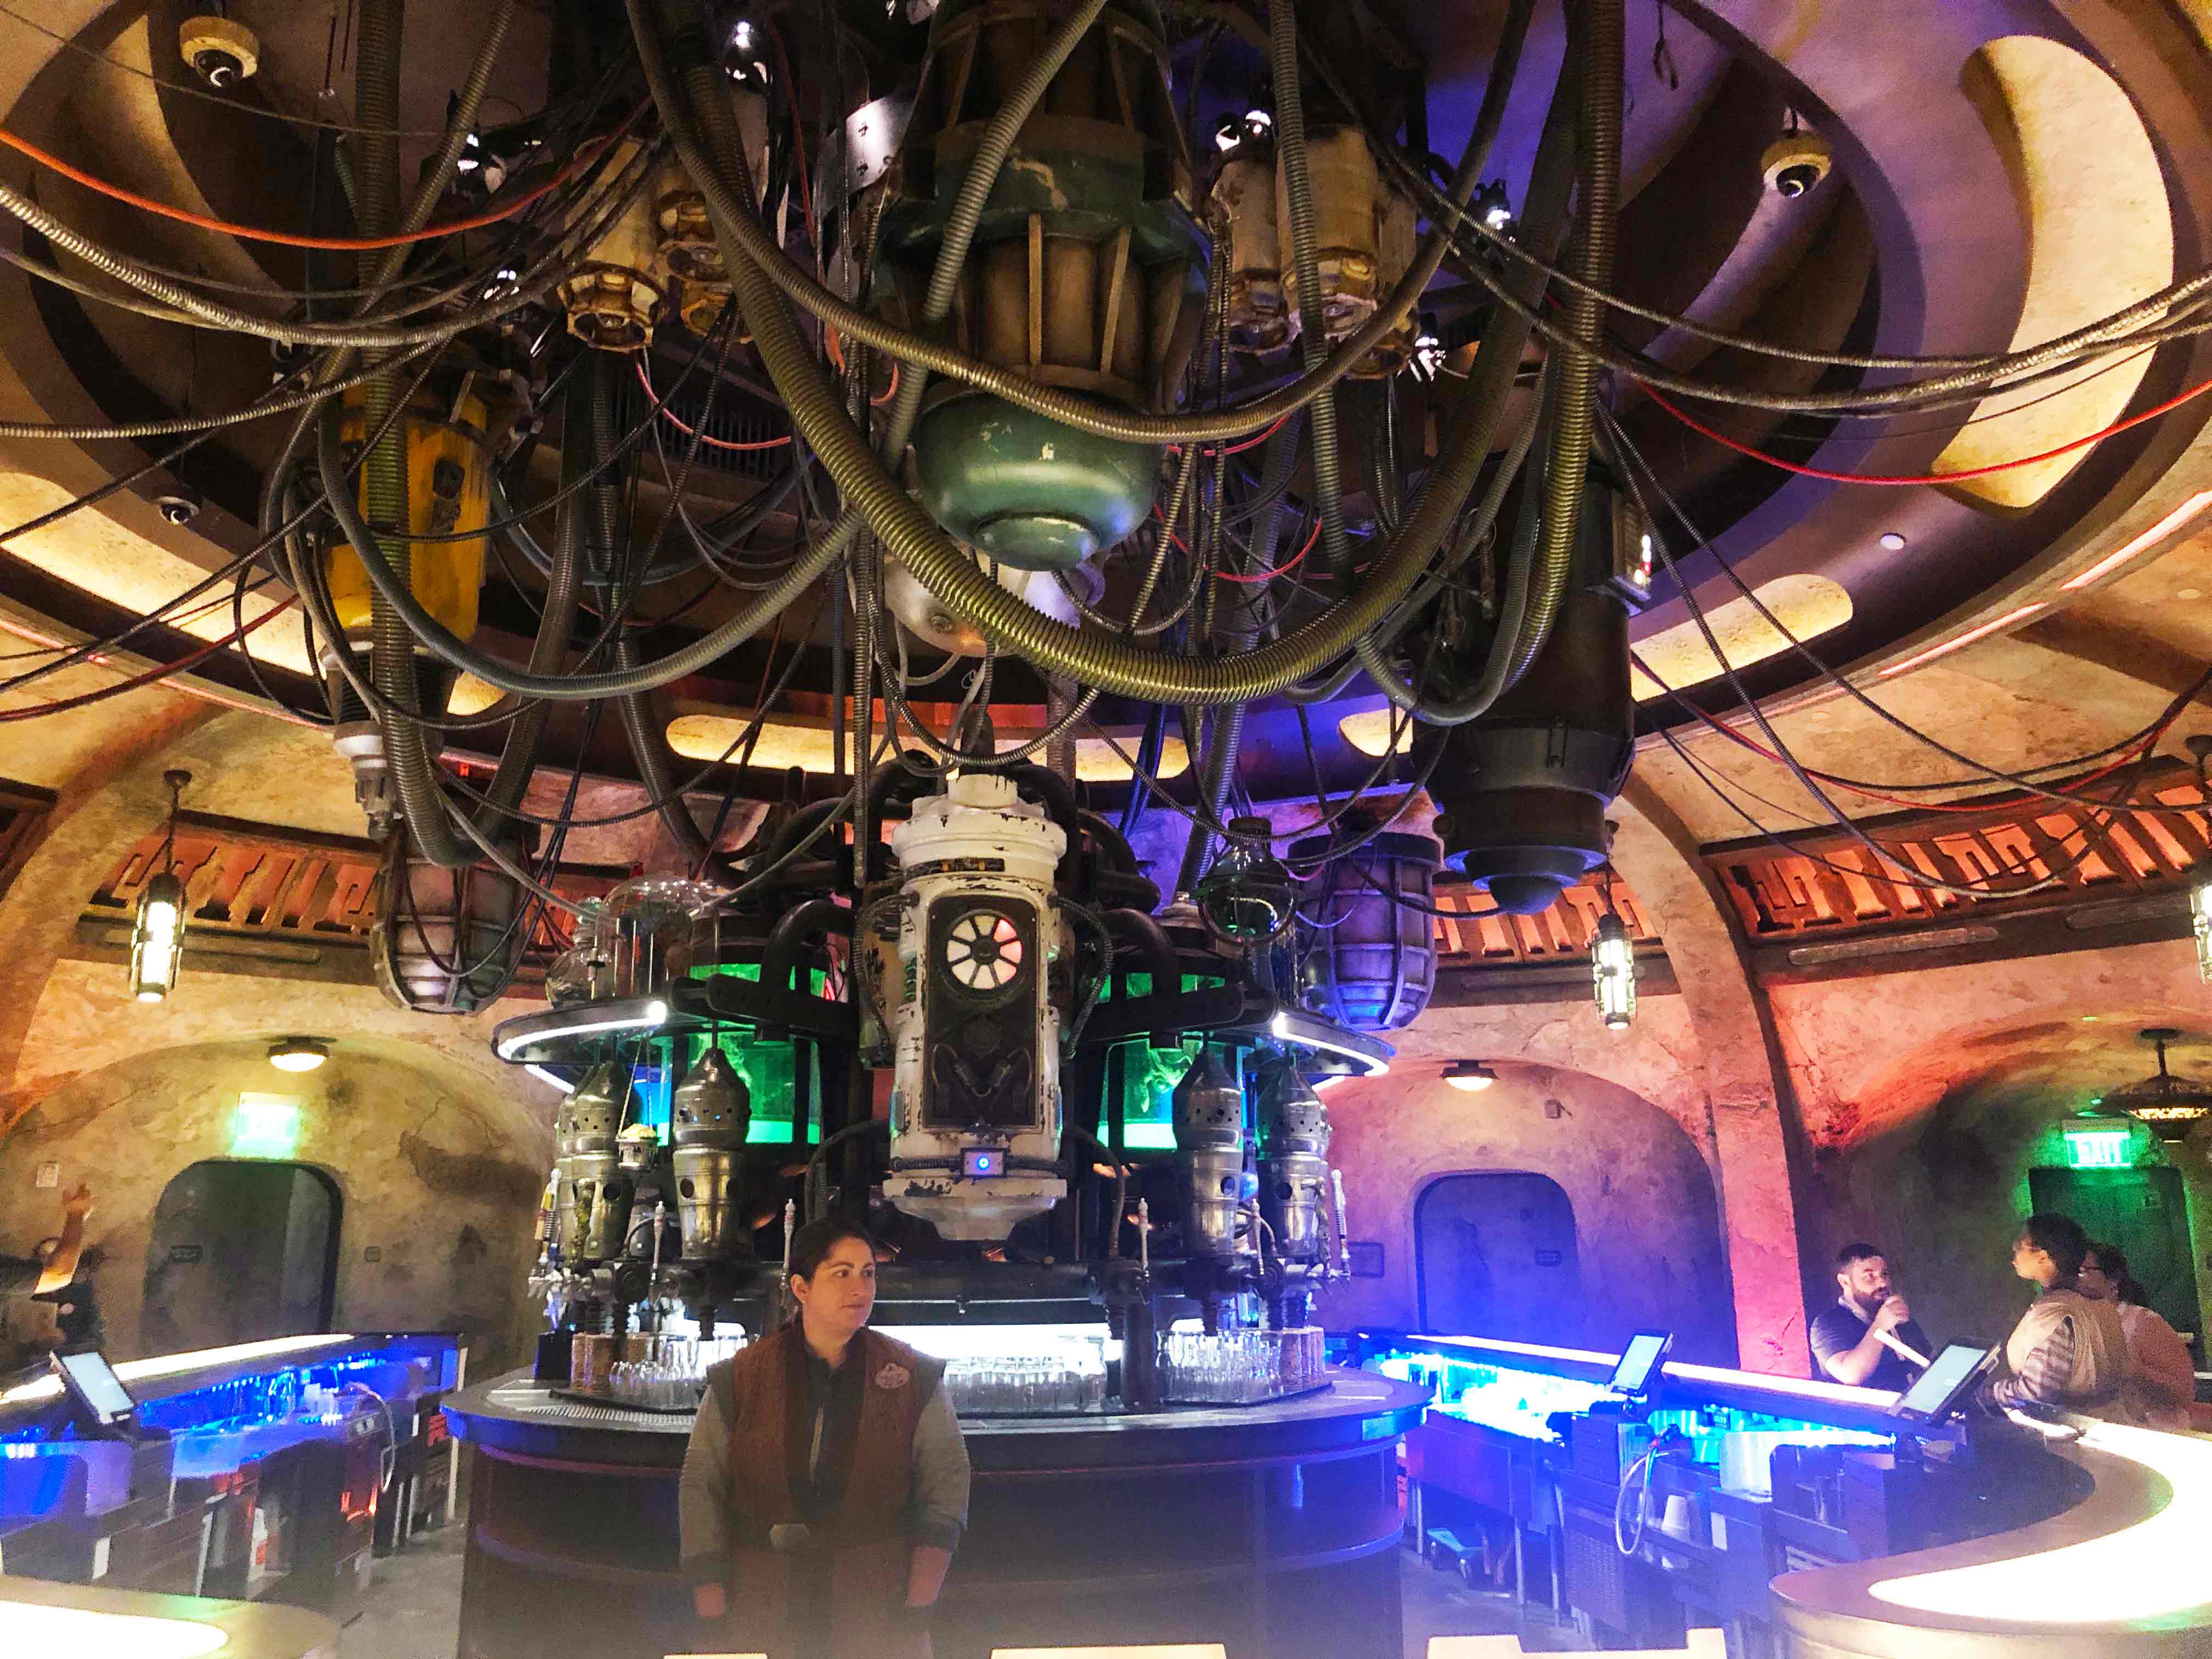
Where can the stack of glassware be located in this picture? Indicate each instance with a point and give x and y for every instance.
(1302, 1357)
(1070, 1378)
(1237, 1368)
(653, 1385)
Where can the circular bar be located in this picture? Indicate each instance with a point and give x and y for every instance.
(1260, 1527)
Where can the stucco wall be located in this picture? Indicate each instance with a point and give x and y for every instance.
(1626, 1148)
(437, 1173)
(1927, 1095)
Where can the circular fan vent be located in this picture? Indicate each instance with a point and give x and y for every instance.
(983, 950)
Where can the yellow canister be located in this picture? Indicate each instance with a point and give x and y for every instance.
(448, 488)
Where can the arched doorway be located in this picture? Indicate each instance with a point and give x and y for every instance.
(1494, 1254)
(241, 1250)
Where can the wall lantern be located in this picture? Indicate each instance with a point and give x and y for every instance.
(157, 933)
(1613, 969)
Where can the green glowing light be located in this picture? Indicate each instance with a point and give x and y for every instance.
(266, 1125)
(2099, 1149)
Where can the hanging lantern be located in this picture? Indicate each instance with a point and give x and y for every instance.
(1248, 899)
(157, 933)
(1612, 971)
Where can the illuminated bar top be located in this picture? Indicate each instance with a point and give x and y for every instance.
(2127, 1570)
(1680, 1383)
(39, 1616)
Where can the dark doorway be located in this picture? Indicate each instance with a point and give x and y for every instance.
(2144, 1213)
(242, 1250)
(1495, 1254)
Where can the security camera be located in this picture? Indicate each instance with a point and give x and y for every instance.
(222, 52)
(1794, 162)
(179, 504)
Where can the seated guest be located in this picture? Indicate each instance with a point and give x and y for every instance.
(2161, 1377)
(2067, 1350)
(1847, 1337)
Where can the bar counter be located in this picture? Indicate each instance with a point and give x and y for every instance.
(1921, 1555)
(1273, 1528)
(39, 1616)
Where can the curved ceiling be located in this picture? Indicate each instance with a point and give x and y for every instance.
(1985, 150)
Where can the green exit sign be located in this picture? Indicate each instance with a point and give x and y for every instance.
(266, 1125)
(2100, 1149)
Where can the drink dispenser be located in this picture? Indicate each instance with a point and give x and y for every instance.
(710, 1112)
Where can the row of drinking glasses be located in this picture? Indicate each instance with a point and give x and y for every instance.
(652, 1385)
(1036, 1383)
(593, 1358)
(1238, 1367)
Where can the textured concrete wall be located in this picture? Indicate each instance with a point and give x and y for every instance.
(1647, 1227)
(438, 1174)
(1631, 1149)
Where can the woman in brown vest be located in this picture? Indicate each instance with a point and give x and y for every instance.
(825, 1486)
(2067, 1351)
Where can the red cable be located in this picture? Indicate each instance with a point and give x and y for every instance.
(831, 344)
(151, 674)
(1256, 439)
(798, 133)
(661, 409)
(1282, 569)
(286, 239)
(2114, 430)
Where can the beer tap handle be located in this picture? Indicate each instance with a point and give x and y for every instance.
(1343, 1228)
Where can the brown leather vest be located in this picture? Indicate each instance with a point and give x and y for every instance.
(856, 1514)
(876, 1399)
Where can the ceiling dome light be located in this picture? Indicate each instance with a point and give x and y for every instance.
(1471, 1075)
(298, 1054)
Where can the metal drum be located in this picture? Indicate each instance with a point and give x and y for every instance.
(1374, 961)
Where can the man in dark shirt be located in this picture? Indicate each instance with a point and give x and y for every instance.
(1847, 1337)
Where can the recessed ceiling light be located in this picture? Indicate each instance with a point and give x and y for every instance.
(298, 1054)
(1892, 541)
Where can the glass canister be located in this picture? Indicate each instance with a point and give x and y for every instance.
(648, 930)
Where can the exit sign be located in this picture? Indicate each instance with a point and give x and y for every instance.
(2100, 1149)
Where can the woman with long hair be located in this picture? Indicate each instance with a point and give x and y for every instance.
(825, 1487)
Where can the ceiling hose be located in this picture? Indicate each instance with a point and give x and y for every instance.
(1066, 408)
(597, 437)
(1241, 630)
(908, 534)
(1594, 38)
(384, 486)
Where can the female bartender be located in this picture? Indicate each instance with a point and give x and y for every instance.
(826, 1485)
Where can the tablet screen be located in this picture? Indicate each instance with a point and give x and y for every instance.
(94, 1382)
(1937, 1394)
(1638, 1361)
